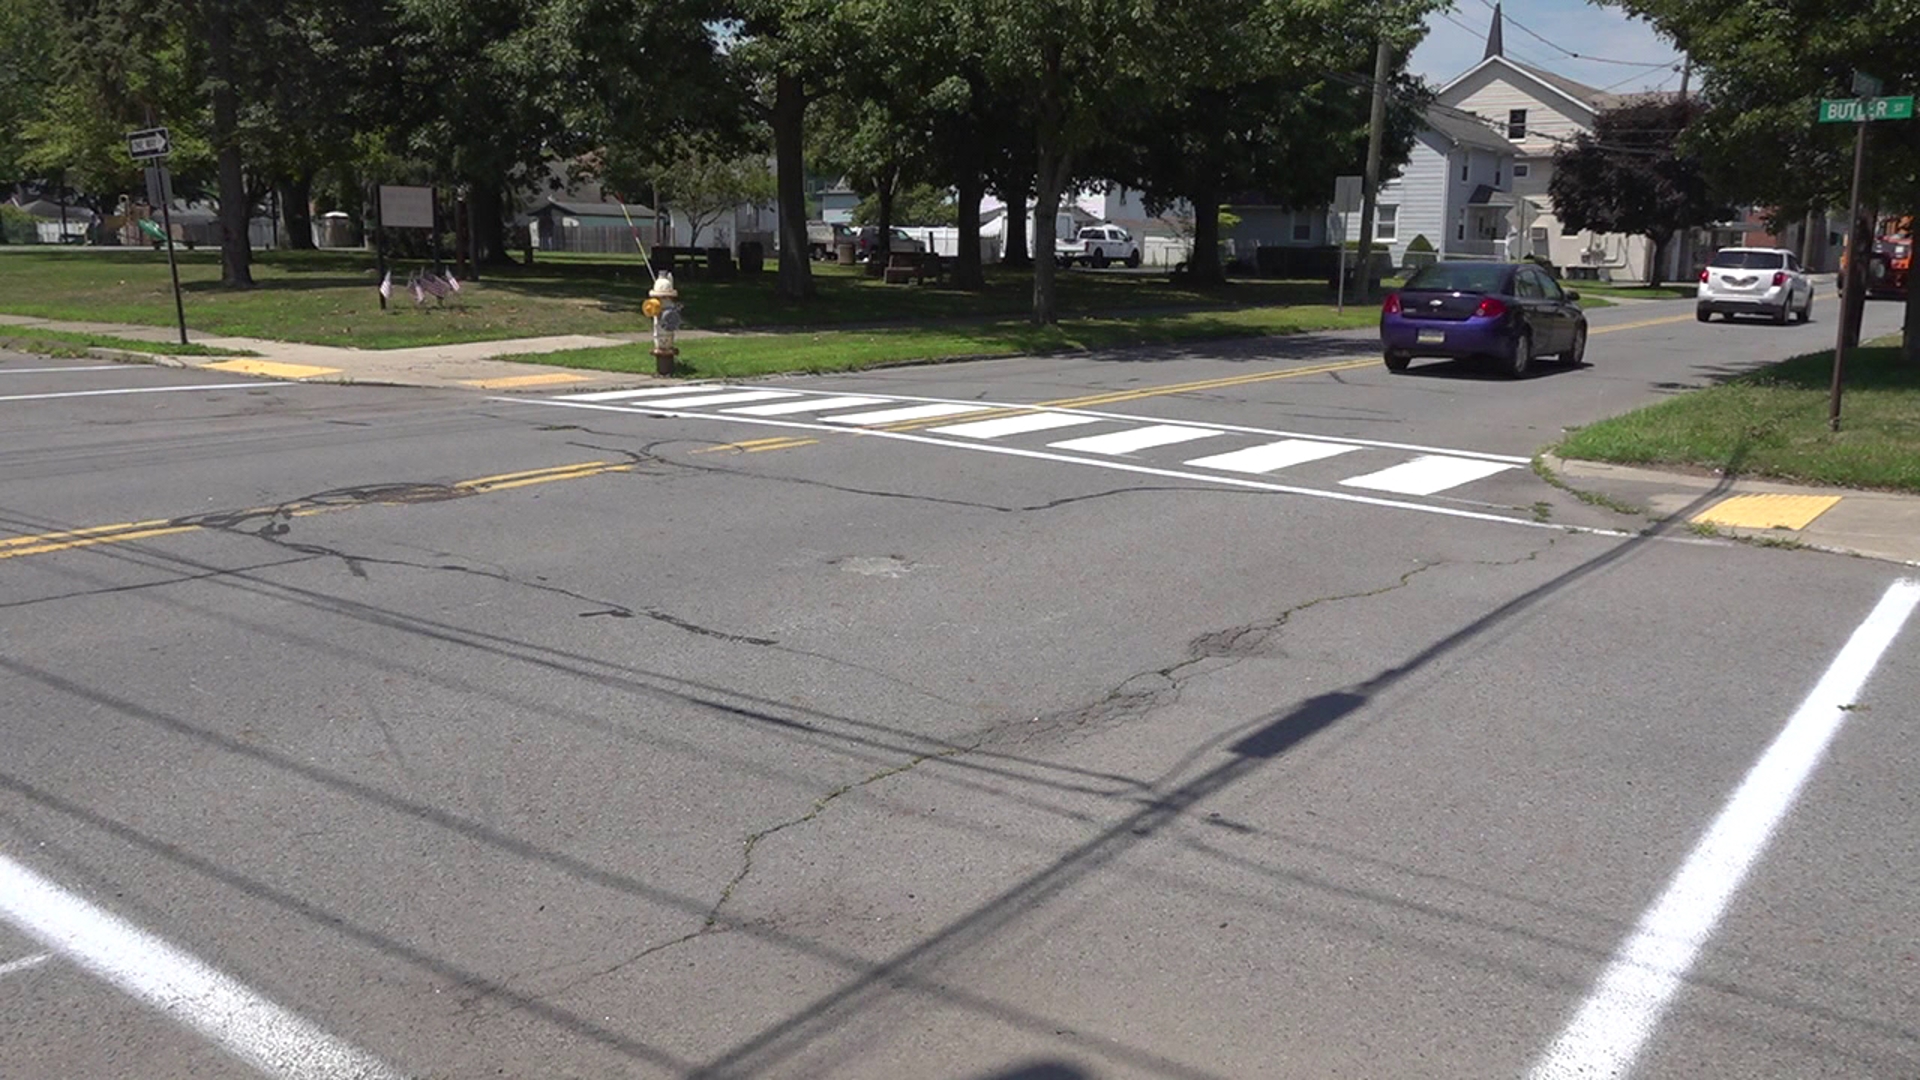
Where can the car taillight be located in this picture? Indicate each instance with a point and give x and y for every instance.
(1391, 306)
(1779, 278)
(1490, 308)
(1703, 276)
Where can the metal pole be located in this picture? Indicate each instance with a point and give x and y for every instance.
(166, 222)
(1376, 134)
(1852, 277)
(379, 244)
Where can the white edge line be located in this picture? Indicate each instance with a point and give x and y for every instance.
(24, 963)
(1132, 418)
(270, 1038)
(1620, 1014)
(1121, 466)
(58, 370)
(144, 390)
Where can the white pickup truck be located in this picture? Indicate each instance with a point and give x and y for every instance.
(1097, 246)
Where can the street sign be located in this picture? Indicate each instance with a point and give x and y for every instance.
(1862, 110)
(1866, 85)
(406, 207)
(1347, 192)
(159, 186)
(149, 144)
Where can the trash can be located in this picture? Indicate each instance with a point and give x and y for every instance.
(843, 253)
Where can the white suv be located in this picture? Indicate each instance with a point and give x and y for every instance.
(1754, 281)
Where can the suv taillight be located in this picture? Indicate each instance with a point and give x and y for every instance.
(1703, 275)
(1490, 308)
(1391, 306)
(1779, 278)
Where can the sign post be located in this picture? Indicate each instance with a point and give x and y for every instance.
(1866, 109)
(152, 145)
(1348, 193)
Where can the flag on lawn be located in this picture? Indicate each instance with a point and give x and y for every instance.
(453, 281)
(386, 286)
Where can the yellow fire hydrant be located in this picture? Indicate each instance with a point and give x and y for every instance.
(663, 307)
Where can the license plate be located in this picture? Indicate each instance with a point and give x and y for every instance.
(1432, 337)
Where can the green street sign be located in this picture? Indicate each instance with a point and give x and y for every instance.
(1861, 110)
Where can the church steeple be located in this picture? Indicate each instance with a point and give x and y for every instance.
(1495, 47)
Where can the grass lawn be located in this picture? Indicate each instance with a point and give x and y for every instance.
(1773, 422)
(329, 297)
(739, 356)
(1682, 291)
(67, 343)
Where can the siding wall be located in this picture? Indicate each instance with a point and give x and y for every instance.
(1495, 89)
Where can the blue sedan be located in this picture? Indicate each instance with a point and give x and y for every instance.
(1512, 313)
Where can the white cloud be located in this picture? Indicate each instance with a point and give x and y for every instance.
(1457, 39)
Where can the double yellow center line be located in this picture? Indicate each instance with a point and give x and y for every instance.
(126, 532)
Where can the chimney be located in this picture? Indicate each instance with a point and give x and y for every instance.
(1495, 47)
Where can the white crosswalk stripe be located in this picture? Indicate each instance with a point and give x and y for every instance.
(635, 395)
(1348, 462)
(1014, 425)
(1141, 438)
(1429, 474)
(709, 400)
(806, 405)
(1272, 456)
(912, 412)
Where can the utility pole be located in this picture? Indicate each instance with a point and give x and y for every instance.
(1376, 134)
(1853, 279)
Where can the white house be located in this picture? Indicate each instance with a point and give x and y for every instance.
(1536, 112)
(1456, 191)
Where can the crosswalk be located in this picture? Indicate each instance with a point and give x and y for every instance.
(1080, 435)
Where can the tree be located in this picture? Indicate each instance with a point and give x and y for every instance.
(702, 185)
(922, 205)
(1257, 110)
(1764, 68)
(1081, 64)
(1630, 176)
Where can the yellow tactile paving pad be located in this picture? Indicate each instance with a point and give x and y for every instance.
(551, 378)
(272, 369)
(1767, 511)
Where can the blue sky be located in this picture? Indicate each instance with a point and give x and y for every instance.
(1456, 40)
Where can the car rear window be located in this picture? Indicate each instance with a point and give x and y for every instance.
(1748, 260)
(1459, 277)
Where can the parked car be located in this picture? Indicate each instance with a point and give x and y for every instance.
(867, 241)
(1510, 312)
(1754, 281)
(824, 239)
(1097, 246)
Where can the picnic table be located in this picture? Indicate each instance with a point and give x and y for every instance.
(713, 263)
(915, 266)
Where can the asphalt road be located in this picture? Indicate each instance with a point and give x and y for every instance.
(1279, 724)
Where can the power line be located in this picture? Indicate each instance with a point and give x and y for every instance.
(1489, 5)
(1635, 75)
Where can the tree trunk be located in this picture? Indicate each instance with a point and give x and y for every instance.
(789, 110)
(1014, 250)
(1657, 247)
(236, 252)
(296, 211)
(883, 241)
(1204, 265)
(967, 271)
(1853, 307)
(486, 223)
(1055, 167)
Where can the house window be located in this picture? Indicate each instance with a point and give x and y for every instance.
(1302, 229)
(1516, 123)
(1464, 166)
(1386, 223)
(1460, 229)
(1496, 178)
(1521, 170)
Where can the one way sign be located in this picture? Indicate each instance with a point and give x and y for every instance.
(149, 144)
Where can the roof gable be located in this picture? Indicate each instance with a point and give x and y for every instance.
(1549, 86)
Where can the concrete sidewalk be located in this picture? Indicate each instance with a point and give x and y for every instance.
(1872, 524)
(468, 366)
